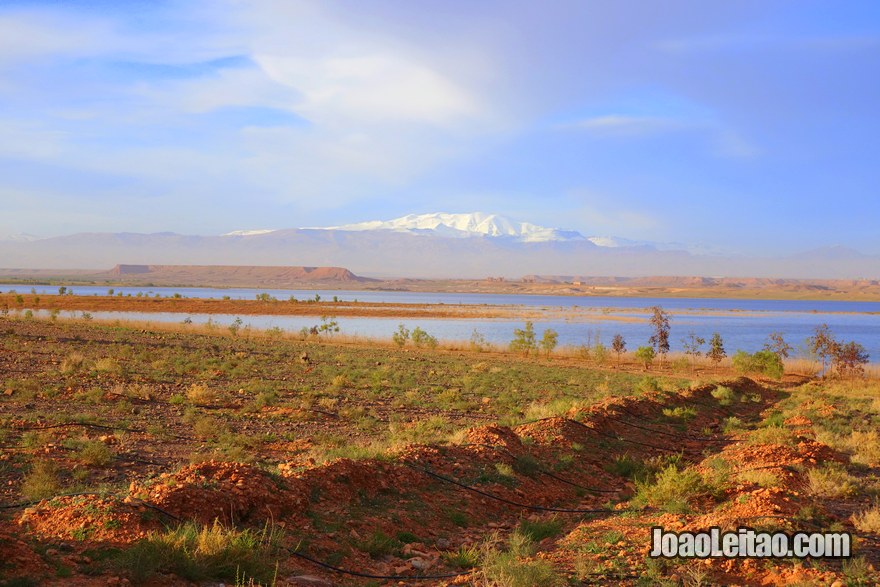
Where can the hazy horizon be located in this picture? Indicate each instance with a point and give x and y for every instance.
(747, 127)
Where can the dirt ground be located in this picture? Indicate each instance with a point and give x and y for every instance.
(140, 445)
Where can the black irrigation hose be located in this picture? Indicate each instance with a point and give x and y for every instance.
(340, 570)
(504, 500)
(90, 425)
(542, 471)
(85, 424)
(621, 439)
(670, 434)
(118, 457)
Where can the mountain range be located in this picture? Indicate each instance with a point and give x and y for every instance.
(429, 246)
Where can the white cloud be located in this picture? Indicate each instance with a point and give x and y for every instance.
(371, 89)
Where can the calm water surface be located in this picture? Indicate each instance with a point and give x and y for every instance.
(744, 324)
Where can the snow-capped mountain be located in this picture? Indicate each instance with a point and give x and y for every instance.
(254, 232)
(466, 225)
(479, 224)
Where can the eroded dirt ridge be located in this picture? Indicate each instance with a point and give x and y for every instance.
(398, 517)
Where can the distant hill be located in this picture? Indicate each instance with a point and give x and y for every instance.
(231, 275)
(454, 246)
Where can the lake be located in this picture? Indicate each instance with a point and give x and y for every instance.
(744, 324)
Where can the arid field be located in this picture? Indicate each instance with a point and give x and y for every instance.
(132, 456)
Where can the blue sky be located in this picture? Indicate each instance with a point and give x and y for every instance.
(748, 126)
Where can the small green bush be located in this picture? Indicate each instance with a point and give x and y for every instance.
(762, 362)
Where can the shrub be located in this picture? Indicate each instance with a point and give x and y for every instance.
(94, 453)
(401, 336)
(645, 355)
(235, 326)
(762, 362)
(41, 481)
(549, 341)
(672, 490)
(599, 353)
(421, 338)
(478, 342)
(524, 339)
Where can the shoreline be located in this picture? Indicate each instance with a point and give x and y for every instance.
(17, 302)
(783, 290)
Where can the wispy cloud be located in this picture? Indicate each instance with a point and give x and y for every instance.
(624, 125)
(720, 140)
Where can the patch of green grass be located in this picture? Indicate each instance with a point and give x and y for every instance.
(378, 544)
(201, 553)
(683, 413)
(538, 530)
(761, 477)
(672, 491)
(868, 520)
(724, 395)
(831, 480)
(526, 465)
(458, 518)
(94, 453)
(466, 557)
(41, 482)
(514, 566)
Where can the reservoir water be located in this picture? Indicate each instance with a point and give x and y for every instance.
(744, 324)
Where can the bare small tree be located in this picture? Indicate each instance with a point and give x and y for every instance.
(823, 344)
(716, 351)
(692, 345)
(618, 345)
(776, 344)
(850, 359)
(660, 339)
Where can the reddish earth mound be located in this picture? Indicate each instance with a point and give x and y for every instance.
(91, 518)
(229, 492)
(17, 559)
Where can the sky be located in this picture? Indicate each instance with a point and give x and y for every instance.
(748, 126)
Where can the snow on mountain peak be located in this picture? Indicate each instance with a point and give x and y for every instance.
(250, 232)
(465, 225)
